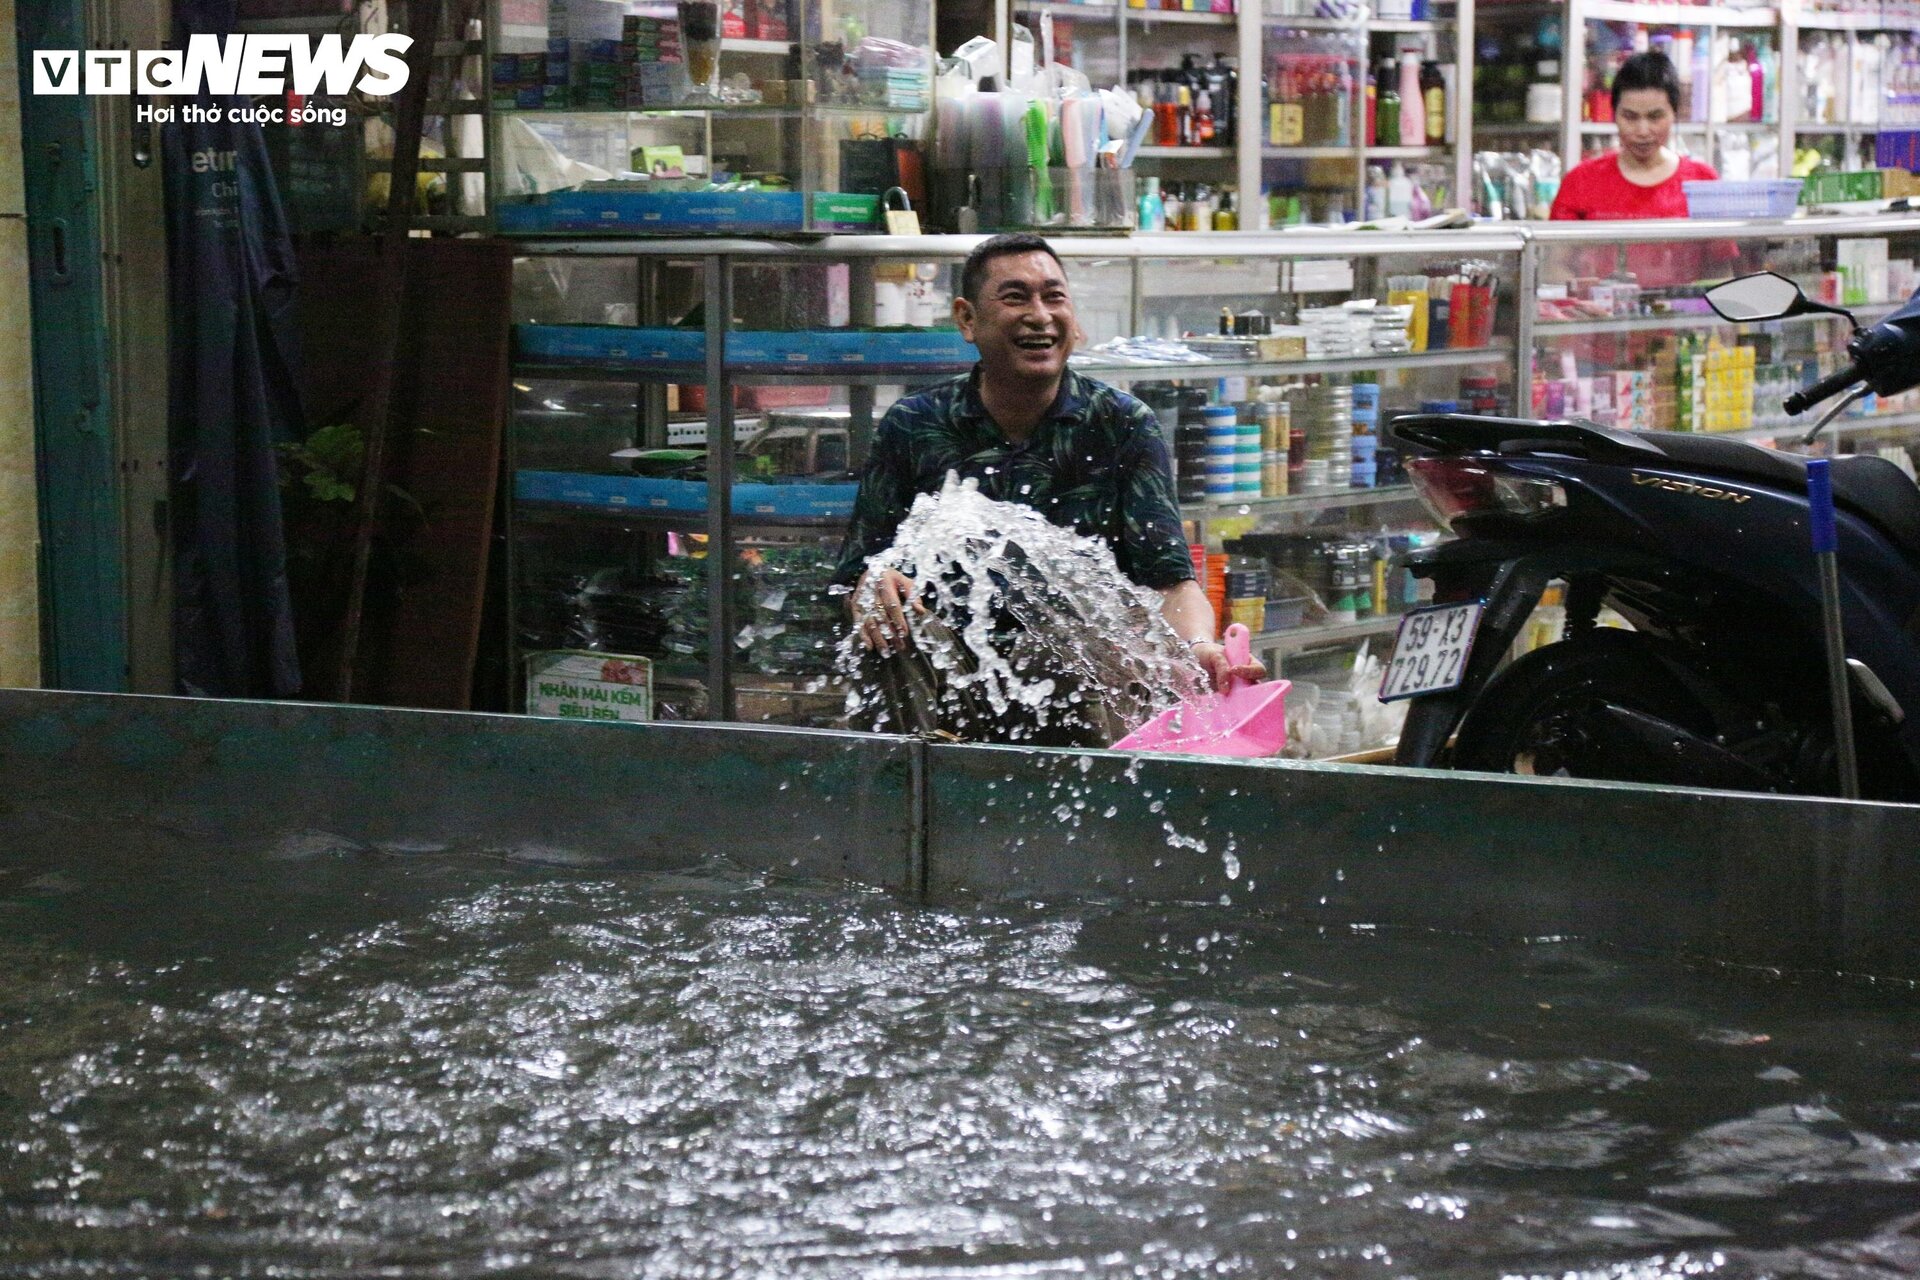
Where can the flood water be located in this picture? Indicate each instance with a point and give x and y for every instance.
(425, 1065)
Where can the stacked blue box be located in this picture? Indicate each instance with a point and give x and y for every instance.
(609, 345)
(622, 346)
(658, 212)
(684, 497)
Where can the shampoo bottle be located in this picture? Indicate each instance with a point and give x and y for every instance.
(1758, 75)
(1387, 112)
(1153, 210)
(1399, 192)
(1433, 94)
(1413, 110)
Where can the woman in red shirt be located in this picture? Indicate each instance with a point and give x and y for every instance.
(1642, 179)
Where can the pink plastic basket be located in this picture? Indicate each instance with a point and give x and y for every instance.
(1246, 720)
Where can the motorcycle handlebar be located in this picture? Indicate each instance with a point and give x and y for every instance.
(1805, 398)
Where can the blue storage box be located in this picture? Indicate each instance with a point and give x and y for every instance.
(683, 497)
(918, 349)
(659, 212)
(625, 347)
(611, 345)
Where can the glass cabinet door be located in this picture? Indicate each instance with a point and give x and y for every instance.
(706, 116)
(1295, 501)
(607, 544)
(1621, 333)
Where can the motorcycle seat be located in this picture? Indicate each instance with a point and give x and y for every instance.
(1870, 487)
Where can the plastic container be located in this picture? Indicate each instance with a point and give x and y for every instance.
(1286, 614)
(1758, 198)
(1245, 720)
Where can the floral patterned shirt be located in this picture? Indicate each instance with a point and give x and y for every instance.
(1096, 463)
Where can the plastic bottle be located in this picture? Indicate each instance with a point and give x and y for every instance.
(1413, 112)
(1388, 111)
(1399, 192)
(1342, 104)
(1376, 206)
(1227, 216)
(1736, 87)
(1166, 116)
(1293, 116)
(1219, 78)
(1682, 56)
(1203, 133)
(1433, 94)
(1758, 74)
(1153, 210)
(1371, 107)
(1702, 101)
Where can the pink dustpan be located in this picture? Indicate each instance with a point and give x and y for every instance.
(1246, 720)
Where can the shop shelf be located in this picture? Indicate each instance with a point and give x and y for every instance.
(1529, 128)
(1499, 352)
(1847, 22)
(1296, 504)
(1674, 15)
(694, 521)
(1303, 22)
(740, 44)
(689, 373)
(1592, 130)
(1303, 638)
(1149, 17)
(1843, 427)
(1412, 26)
(1067, 9)
(1407, 153)
(1689, 320)
(1309, 153)
(1184, 153)
(750, 110)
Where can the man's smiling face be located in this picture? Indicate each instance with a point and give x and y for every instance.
(1022, 322)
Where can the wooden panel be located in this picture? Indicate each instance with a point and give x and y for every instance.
(422, 624)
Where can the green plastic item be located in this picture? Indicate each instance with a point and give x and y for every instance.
(1037, 158)
(846, 210)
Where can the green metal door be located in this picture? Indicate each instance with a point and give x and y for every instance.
(83, 597)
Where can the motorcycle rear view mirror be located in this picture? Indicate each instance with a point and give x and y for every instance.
(1765, 295)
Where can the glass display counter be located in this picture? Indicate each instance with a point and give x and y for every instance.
(1618, 331)
(632, 355)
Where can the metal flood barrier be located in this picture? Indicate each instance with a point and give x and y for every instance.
(1794, 883)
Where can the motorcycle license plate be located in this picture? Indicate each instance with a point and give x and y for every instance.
(1430, 651)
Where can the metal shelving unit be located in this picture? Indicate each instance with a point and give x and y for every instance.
(1297, 503)
(1709, 20)
(1244, 163)
(1854, 27)
(1325, 636)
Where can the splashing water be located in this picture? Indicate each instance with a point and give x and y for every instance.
(1029, 615)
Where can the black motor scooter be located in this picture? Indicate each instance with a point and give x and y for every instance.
(1702, 545)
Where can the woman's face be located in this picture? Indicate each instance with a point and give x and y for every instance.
(1645, 118)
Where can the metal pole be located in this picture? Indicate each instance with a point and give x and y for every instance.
(719, 315)
(1826, 547)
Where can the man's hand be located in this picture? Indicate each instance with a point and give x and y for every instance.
(1213, 660)
(883, 626)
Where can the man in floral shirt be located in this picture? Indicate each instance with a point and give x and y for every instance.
(1084, 454)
